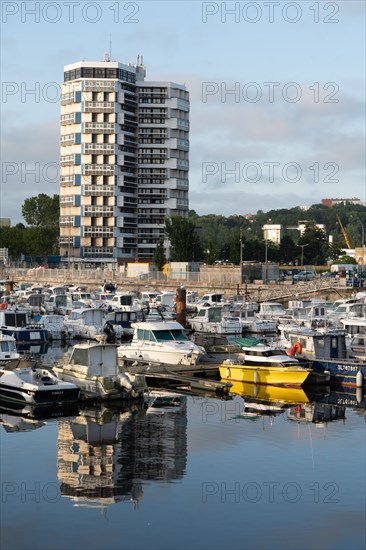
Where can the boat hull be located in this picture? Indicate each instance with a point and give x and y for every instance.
(278, 376)
(94, 388)
(27, 336)
(159, 355)
(342, 372)
(38, 396)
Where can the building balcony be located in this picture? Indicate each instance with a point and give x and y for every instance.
(99, 86)
(99, 148)
(66, 160)
(68, 139)
(99, 107)
(70, 118)
(98, 231)
(67, 180)
(98, 169)
(67, 200)
(99, 128)
(122, 222)
(126, 201)
(97, 211)
(98, 190)
(98, 252)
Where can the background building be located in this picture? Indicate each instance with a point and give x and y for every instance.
(273, 232)
(334, 202)
(124, 160)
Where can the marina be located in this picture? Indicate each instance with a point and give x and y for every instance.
(161, 417)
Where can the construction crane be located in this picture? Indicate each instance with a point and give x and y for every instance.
(344, 233)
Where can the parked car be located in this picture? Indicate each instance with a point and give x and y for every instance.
(304, 276)
(354, 282)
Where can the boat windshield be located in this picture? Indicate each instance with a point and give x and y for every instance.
(7, 345)
(168, 335)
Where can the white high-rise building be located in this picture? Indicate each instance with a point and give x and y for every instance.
(124, 160)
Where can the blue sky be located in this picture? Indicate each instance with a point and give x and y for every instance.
(249, 150)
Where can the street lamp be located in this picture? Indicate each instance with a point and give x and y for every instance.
(302, 253)
(241, 246)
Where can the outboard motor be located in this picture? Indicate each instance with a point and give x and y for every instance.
(110, 333)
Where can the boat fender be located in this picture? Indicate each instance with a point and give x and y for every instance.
(359, 379)
(358, 395)
(228, 373)
(256, 377)
(125, 382)
(296, 348)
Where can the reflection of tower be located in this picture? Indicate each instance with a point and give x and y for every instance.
(89, 453)
(158, 449)
(104, 455)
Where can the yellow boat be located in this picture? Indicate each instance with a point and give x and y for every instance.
(260, 374)
(260, 363)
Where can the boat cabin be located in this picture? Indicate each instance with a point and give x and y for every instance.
(317, 344)
(271, 310)
(122, 299)
(159, 332)
(213, 299)
(99, 359)
(14, 318)
(89, 316)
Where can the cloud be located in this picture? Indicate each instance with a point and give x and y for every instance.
(30, 155)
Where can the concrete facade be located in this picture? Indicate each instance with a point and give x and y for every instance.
(124, 161)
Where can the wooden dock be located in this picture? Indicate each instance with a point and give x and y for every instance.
(204, 377)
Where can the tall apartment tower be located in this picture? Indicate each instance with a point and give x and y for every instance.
(124, 161)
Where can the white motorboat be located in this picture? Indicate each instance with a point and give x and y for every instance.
(215, 320)
(161, 342)
(85, 323)
(23, 381)
(93, 367)
(8, 350)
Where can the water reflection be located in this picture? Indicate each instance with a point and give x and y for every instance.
(315, 404)
(17, 417)
(105, 455)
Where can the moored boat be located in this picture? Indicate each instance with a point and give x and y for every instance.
(8, 350)
(93, 367)
(259, 363)
(161, 342)
(23, 381)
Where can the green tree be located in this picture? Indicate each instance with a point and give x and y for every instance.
(288, 250)
(159, 256)
(184, 241)
(315, 247)
(346, 260)
(42, 210)
(210, 253)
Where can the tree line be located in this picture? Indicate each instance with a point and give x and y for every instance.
(211, 237)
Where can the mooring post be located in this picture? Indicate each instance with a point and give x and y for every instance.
(180, 306)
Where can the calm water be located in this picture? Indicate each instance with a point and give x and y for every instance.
(202, 474)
